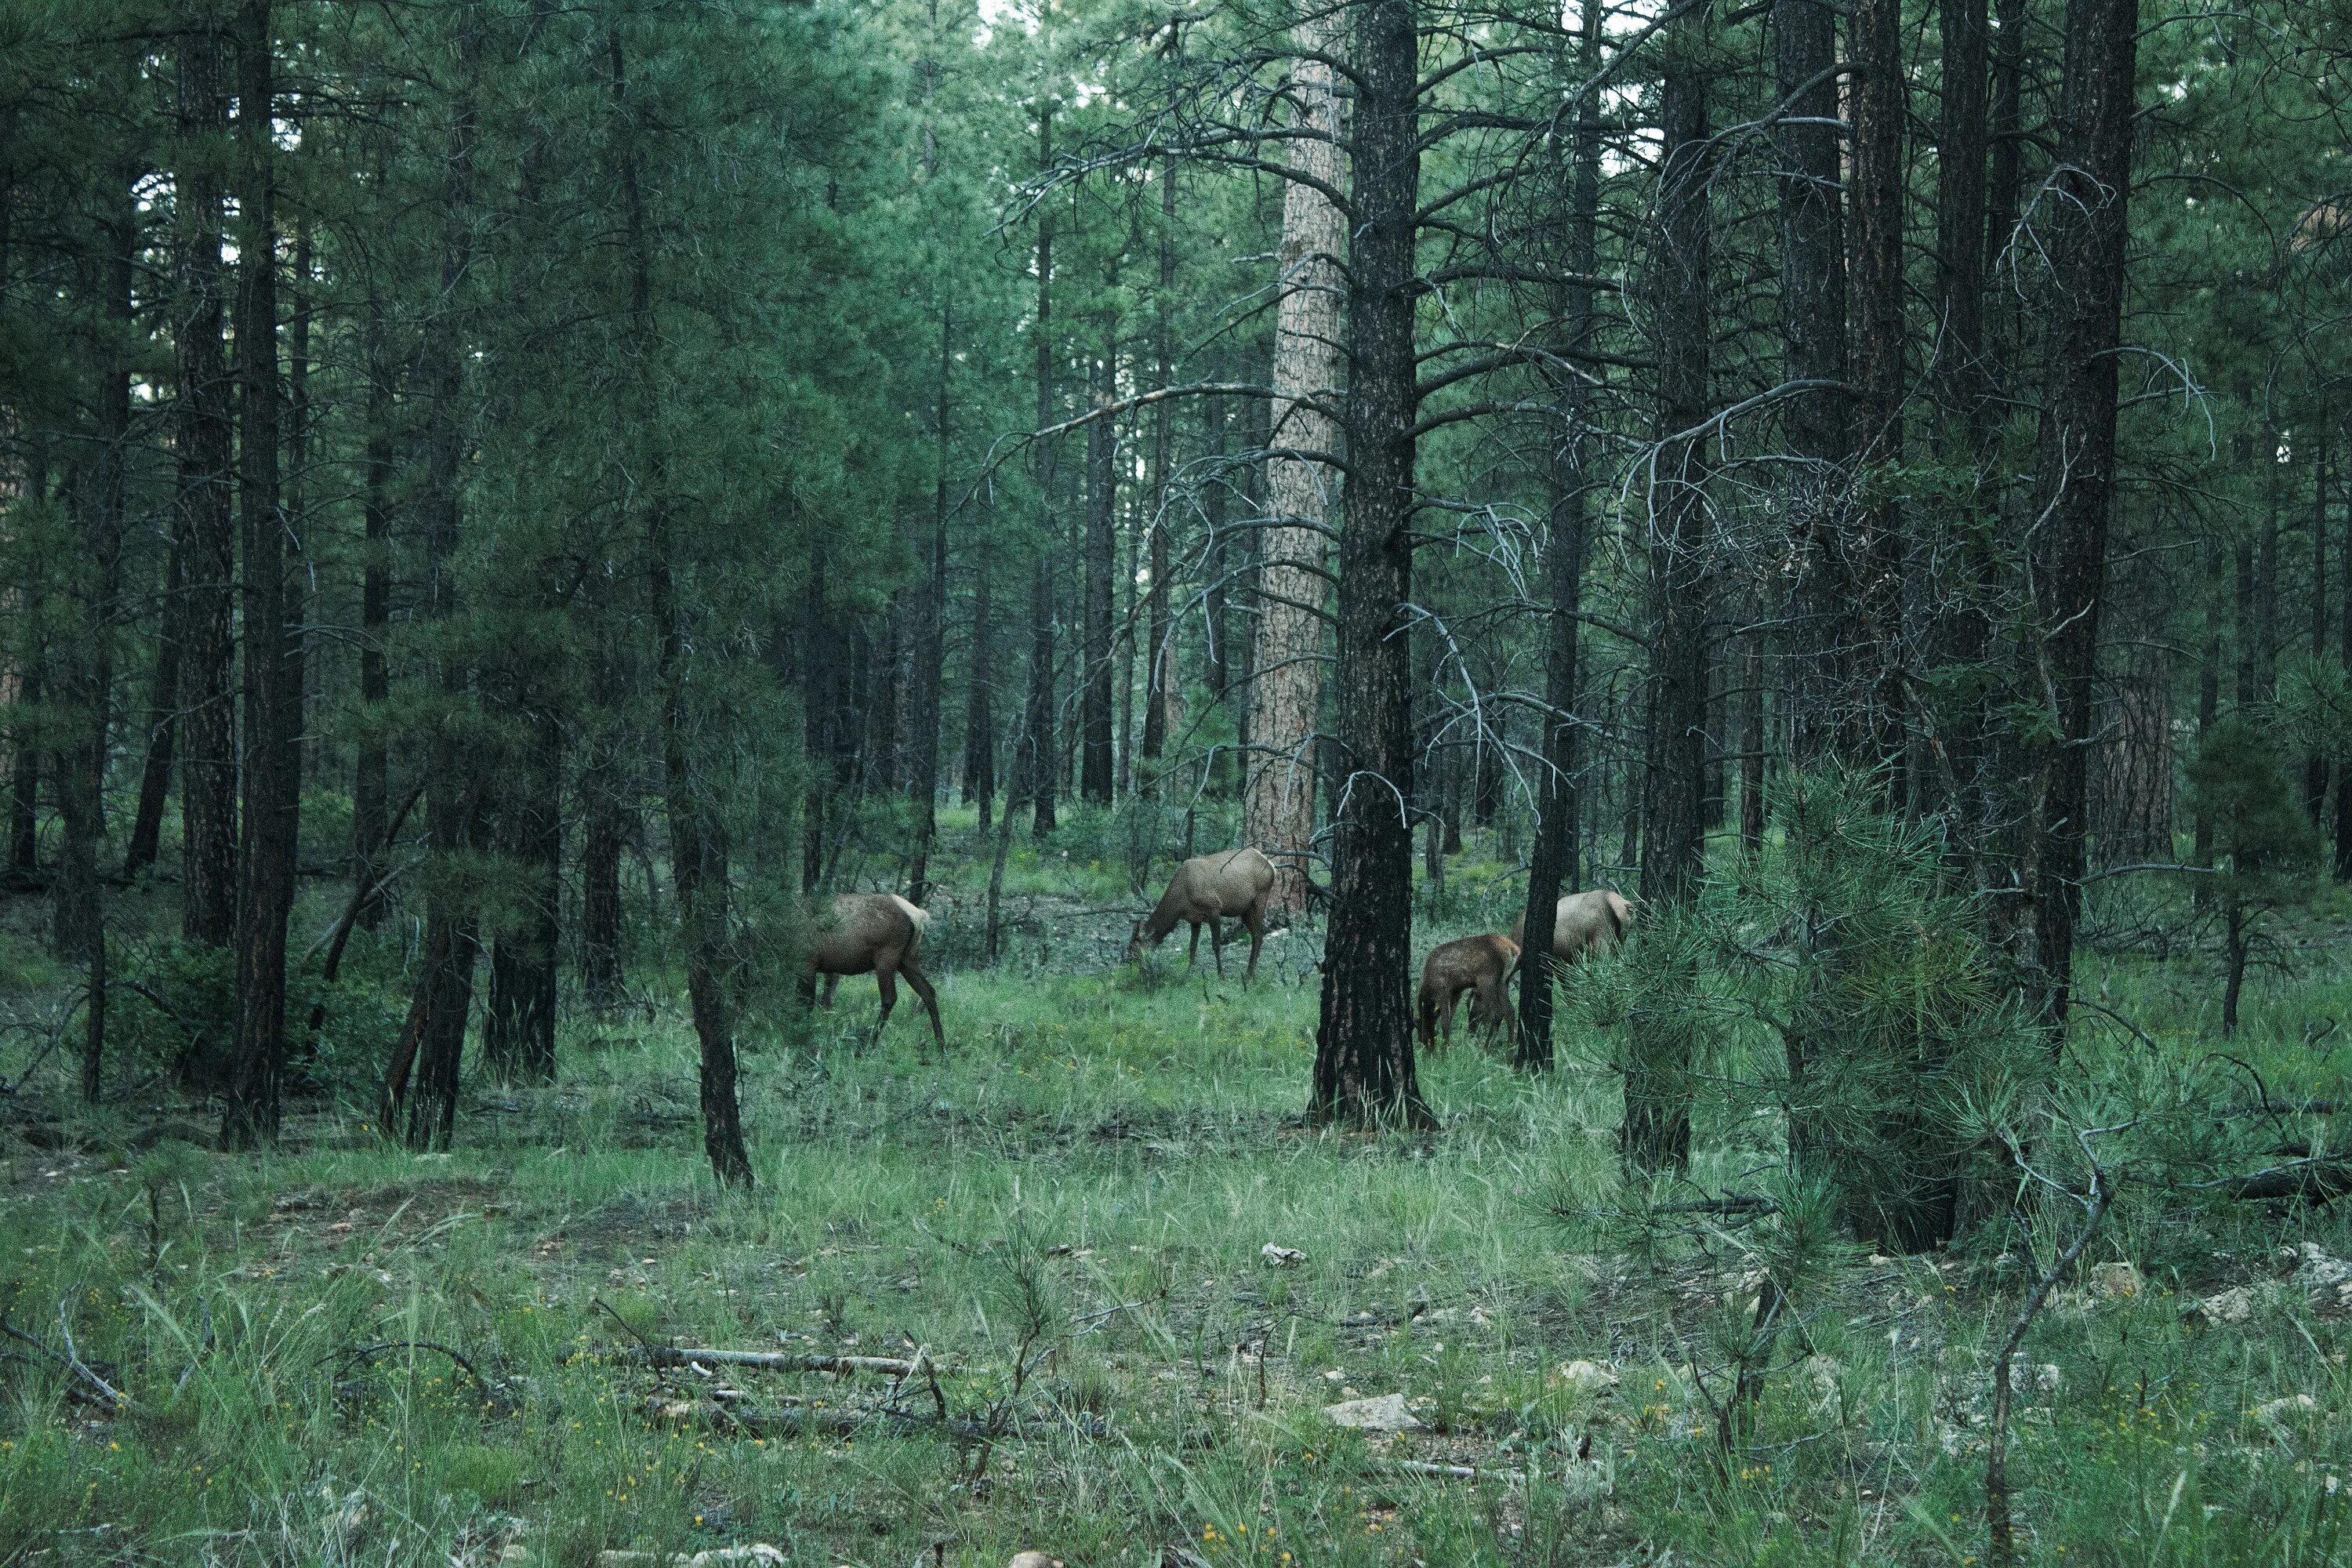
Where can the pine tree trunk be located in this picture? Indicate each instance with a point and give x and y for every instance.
(272, 664)
(2315, 766)
(370, 775)
(80, 913)
(932, 647)
(1657, 1103)
(2075, 474)
(1159, 676)
(979, 712)
(1098, 763)
(163, 725)
(25, 769)
(1552, 867)
(445, 995)
(1814, 329)
(1036, 774)
(207, 727)
(1286, 663)
(699, 868)
(519, 1025)
(1364, 1071)
(1874, 695)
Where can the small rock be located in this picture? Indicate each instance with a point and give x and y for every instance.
(2112, 1279)
(1383, 1413)
(1281, 1257)
(1033, 1560)
(1821, 1378)
(2047, 1378)
(1588, 1378)
(2233, 1306)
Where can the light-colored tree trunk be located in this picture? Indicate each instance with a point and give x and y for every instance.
(1286, 659)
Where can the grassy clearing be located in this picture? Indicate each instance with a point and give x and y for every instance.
(1076, 1201)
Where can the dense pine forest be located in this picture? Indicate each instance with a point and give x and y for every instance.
(1792, 553)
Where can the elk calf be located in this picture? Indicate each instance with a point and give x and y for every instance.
(1206, 891)
(880, 934)
(1478, 964)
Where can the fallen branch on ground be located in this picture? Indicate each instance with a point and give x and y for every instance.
(2320, 1179)
(785, 1361)
(796, 1420)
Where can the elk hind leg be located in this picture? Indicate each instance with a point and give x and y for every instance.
(922, 984)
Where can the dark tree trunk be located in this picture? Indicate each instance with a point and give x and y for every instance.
(1036, 774)
(1552, 867)
(1363, 1041)
(519, 1025)
(605, 835)
(1813, 328)
(698, 841)
(1657, 1103)
(207, 727)
(2004, 186)
(2344, 765)
(24, 775)
(1876, 176)
(370, 777)
(1751, 744)
(1098, 763)
(2249, 681)
(1216, 665)
(2074, 473)
(980, 711)
(446, 989)
(2315, 766)
(932, 647)
(163, 725)
(89, 690)
(1159, 666)
(273, 722)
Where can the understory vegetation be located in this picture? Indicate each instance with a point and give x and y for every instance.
(342, 1351)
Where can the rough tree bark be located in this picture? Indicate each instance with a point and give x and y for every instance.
(2074, 471)
(518, 1025)
(1874, 730)
(931, 644)
(698, 840)
(1096, 763)
(980, 711)
(207, 727)
(370, 775)
(1657, 1101)
(1813, 330)
(1035, 773)
(1159, 668)
(273, 670)
(1286, 662)
(1552, 867)
(444, 989)
(89, 687)
(1363, 1041)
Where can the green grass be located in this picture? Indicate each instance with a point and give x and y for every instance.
(1086, 1179)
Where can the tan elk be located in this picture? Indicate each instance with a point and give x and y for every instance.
(1583, 924)
(1477, 965)
(880, 934)
(1208, 891)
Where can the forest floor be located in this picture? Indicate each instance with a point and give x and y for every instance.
(344, 1352)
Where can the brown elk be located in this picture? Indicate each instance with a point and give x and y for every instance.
(880, 934)
(1206, 891)
(1582, 924)
(1477, 965)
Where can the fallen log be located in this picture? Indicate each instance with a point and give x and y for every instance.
(787, 1360)
(2319, 1181)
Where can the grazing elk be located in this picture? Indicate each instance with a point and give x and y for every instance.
(1583, 924)
(880, 935)
(1477, 965)
(1206, 891)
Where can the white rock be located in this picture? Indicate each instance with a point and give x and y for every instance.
(1281, 1257)
(2231, 1306)
(1592, 1379)
(2278, 1412)
(1381, 1413)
